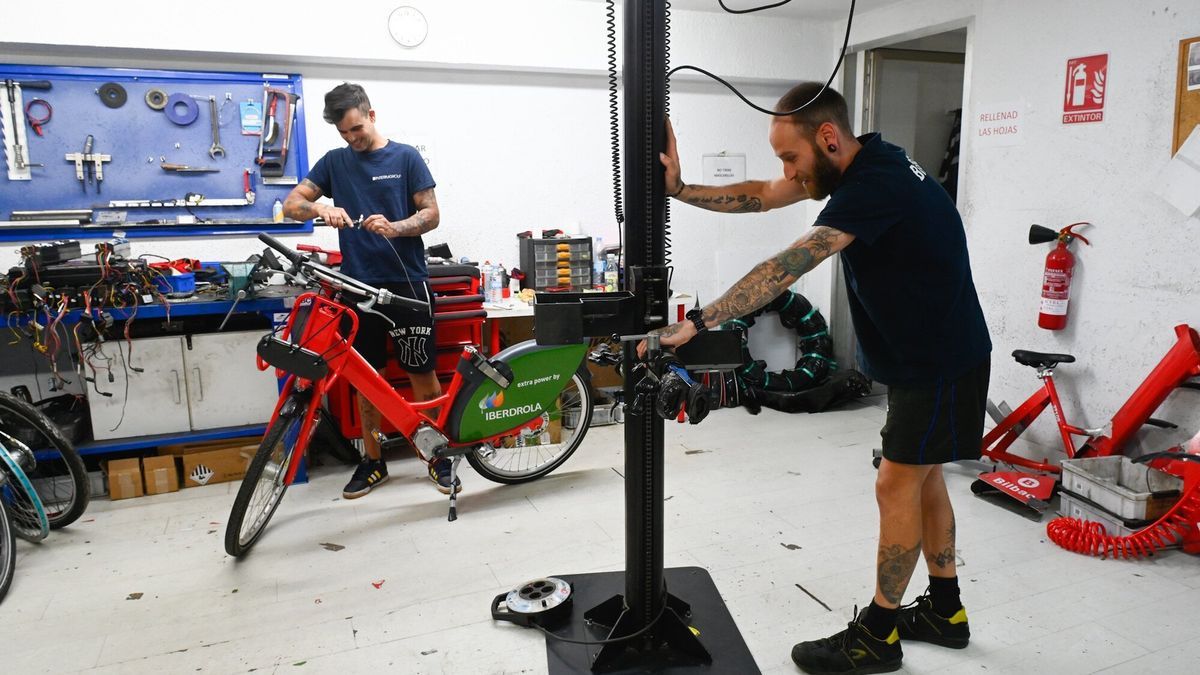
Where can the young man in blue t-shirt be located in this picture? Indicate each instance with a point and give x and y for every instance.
(389, 185)
(920, 330)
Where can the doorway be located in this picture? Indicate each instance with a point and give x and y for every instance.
(911, 92)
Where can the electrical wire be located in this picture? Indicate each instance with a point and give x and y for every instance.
(623, 638)
(837, 66)
(752, 9)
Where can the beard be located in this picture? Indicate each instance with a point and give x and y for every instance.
(825, 175)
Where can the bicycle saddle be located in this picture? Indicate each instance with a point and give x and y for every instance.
(1041, 359)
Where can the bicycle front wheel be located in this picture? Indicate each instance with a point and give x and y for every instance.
(25, 507)
(565, 425)
(8, 551)
(265, 482)
(57, 471)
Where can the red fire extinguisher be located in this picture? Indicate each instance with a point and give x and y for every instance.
(1056, 278)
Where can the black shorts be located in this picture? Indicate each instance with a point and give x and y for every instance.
(412, 337)
(938, 423)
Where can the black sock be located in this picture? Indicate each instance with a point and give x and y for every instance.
(880, 621)
(943, 593)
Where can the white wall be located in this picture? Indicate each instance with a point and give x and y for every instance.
(510, 97)
(1140, 278)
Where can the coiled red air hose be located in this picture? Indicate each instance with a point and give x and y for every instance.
(1090, 538)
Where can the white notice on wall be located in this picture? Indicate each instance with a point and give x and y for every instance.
(724, 168)
(1179, 181)
(999, 124)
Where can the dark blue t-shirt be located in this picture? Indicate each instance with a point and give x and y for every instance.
(382, 181)
(912, 299)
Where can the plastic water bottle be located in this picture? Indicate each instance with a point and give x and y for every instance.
(611, 274)
(494, 294)
(485, 276)
(277, 212)
(597, 261)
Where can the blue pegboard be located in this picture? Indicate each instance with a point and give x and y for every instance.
(138, 137)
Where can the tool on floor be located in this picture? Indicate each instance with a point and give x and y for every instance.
(216, 148)
(273, 160)
(16, 149)
(89, 166)
(184, 168)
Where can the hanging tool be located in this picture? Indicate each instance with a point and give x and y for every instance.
(16, 150)
(89, 162)
(273, 161)
(246, 186)
(38, 122)
(216, 148)
(184, 168)
(112, 95)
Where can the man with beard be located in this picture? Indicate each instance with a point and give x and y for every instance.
(920, 331)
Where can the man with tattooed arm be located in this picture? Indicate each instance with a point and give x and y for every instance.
(390, 187)
(920, 330)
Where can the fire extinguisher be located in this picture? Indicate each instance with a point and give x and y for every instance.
(1056, 278)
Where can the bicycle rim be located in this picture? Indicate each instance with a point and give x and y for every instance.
(8, 551)
(263, 487)
(56, 470)
(568, 420)
(26, 512)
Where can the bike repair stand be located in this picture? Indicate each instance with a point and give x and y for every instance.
(646, 628)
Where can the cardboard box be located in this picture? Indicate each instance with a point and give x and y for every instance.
(217, 466)
(160, 474)
(124, 478)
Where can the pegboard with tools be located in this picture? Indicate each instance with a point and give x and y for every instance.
(147, 152)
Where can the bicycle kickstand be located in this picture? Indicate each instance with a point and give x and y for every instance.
(453, 484)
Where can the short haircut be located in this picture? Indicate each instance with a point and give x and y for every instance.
(829, 106)
(343, 98)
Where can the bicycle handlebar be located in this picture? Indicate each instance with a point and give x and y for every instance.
(311, 268)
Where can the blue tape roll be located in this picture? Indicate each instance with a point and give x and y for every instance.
(190, 110)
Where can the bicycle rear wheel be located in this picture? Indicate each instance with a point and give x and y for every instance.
(57, 472)
(264, 485)
(28, 516)
(8, 551)
(569, 419)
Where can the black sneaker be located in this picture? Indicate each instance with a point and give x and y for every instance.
(853, 651)
(439, 473)
(369, 474)
(918, 621)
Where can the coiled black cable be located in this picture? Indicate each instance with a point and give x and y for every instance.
(667, 112)
(614, 114)
(836, 67)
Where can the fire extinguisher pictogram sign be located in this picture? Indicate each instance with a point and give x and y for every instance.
(1087, 82)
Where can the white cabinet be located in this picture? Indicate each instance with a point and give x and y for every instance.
(225, 388)
(184, 384)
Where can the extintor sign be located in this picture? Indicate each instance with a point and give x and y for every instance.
(1087, 82)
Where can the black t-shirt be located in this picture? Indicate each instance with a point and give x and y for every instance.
(912, 299)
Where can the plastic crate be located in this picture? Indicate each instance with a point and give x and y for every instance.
(1117, 485)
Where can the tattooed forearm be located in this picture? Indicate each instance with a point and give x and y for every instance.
(771, 277)
(720, 199)
(420, 223)
(945, 557)
(894, 569)
(751, 205)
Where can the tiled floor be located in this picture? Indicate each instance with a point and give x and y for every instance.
(765, 503)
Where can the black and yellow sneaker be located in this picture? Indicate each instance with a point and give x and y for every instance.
(918, 621)
(853, 651)
(370, 474)
(439, 473)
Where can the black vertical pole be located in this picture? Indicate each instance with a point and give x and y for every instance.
(644, 71)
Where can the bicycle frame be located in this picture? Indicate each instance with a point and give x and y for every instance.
(1180, 363)
(327, 328)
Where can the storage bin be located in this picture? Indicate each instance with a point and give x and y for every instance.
(1128, 490)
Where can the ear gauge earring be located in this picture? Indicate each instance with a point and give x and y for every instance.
(832, 147)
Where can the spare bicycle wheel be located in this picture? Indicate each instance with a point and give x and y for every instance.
(57, 471)
(25, 508)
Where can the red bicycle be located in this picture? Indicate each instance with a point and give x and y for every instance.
(1180, 363)
(515, 417)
